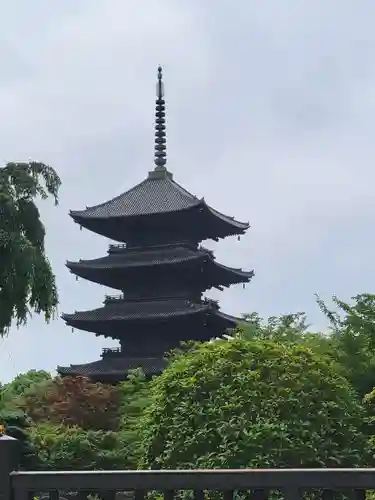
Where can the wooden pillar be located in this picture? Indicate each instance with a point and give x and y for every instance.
(9, 459)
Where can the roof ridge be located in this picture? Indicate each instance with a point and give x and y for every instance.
(183, 190)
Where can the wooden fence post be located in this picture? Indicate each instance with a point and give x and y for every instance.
(9, 457)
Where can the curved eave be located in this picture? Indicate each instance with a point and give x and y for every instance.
(233, 320)
(241, 275)
(77, 372)
(232, 227)
(72, 320)
(102, 264)
(219, 274)
(91, 324)
(238, 226)
(80, 216)
(112, 364)
(93, 365)
(67, 370)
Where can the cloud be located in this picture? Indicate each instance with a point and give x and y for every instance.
(271, 110)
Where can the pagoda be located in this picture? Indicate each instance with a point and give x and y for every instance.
(159, 267)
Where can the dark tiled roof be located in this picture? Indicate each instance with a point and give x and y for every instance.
(151, 196)
(232, 319)
(134, 310)
(231, 220)
(142, 257)
(158, 194)
(115, 366)
(175, 254)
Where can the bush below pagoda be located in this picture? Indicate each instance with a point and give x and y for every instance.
(239, 403)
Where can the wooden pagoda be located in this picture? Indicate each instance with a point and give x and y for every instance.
(158, 266)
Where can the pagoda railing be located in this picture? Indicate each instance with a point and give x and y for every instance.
(121, 297)
(117, 246)
(113, 298)
(111, 351)
(178, 294)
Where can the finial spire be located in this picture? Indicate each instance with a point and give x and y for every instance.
(160, 140)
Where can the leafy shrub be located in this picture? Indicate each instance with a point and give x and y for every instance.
(73, 401)
(251, 404)
(61, 447)
(135, 397)
(17, 425)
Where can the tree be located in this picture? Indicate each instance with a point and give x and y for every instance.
(135, 398)
(251, 404)
(67, 446)
(350, 340)
(73, 401)
(10, 393)
(17, 425)
(353, 337)
(359, 318)
(287, 327)
(61, 447)
(292, 328)
(26, 278)
(24, 381)
(369, 424)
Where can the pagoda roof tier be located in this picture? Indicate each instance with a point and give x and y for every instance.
(122, 265)
(156, 203)
(114, 367)
(113, 319)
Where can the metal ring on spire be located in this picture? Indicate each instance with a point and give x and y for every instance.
(160, 136)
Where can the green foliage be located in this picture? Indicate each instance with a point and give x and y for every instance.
(135, 398)
(292, 328)
(26, 278)
(277, 395)
(359, 317)
(369, 425)
(73, 401)
(24, 381)
(74, 423)
(287, 327)
(350, 340)
(251, 404)
(15, 420)
(11, 393)
(61, 447)
(353, 338)
(17, 425)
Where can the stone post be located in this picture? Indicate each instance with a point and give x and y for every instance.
(9, 456)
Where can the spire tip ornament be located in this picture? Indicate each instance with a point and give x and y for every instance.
(160, 137)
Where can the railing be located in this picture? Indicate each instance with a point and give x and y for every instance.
(113, 298)
(111, 351)
(257, 484)
(117, 247)
(291, 483)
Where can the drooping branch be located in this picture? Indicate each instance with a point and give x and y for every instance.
(26, 279)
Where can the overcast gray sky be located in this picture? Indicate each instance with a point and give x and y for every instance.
(271, 117)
